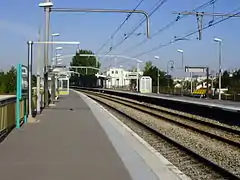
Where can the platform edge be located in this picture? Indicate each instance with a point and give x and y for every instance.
(168, 164)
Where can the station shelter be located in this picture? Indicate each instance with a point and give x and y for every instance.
(61, 78)
(101, 80)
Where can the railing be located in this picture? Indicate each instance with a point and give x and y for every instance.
(8, 113)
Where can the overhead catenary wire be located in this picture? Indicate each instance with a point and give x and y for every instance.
(189, 34)
(121, 25)
(169, 25)
(156, 7)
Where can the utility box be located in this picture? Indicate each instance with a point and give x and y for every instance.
(145, 84)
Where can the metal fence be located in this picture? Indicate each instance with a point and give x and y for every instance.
(8, 113)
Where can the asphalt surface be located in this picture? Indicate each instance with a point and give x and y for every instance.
(67, 144)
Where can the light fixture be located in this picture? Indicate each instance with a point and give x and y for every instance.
(58, 55)
(46, 4)
(217, 40)
(180, 50)
(55, 34)
(58, 48)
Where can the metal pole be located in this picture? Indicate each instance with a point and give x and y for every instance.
(207, 94)
(56, 58)
(167, 73)
(191, 82)
(38, 79)
(30, 44)
(53, 88)
(96, 61)
(107, 11)
(47, 24)
(182, 83)
(53, 93)
(158, 82)
(182, 60)
(137, 76)
(220, 70)
(212, 81)
(52, 53)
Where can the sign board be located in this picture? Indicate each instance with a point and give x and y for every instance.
(195, 69)
(22, 72)
(24, 77)
(132, 75)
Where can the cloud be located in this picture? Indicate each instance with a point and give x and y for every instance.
(21, 29)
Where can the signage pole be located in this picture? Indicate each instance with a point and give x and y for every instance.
(19, 67)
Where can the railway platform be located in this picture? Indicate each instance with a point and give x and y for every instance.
(79, 139)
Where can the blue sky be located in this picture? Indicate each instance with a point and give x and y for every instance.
(20, 22)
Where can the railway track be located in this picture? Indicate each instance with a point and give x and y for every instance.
(192, 156)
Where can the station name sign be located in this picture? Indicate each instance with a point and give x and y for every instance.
(195, 69)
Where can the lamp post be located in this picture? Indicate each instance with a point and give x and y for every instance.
(54, 35)
(47, 7)
(138, 61)
(181, 51)
(170, 62)
(57, 55)
(157, 57)
(219, 41)
(53, 79)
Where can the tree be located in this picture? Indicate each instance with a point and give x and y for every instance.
(8, 81)
(148, 65)
(230, 81)
(2, 81)
(152, 71)
(89, 61)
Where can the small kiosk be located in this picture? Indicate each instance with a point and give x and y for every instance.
(62, 77)
(146, 84)
(63, 83)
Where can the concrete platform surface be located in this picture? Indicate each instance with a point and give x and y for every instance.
(68, 143)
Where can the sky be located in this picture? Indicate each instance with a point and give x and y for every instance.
(20, 22)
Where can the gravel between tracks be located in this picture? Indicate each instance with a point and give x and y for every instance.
(218, 152)
(214, 130)
(187, 165)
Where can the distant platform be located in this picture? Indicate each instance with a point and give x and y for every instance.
(213, 103)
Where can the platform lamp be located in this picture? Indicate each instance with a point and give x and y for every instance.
(170, 62)
(181, 51)
(57, 55)
(158, 76)
(52, 39)
(219, 41)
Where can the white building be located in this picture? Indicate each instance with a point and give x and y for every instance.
(118, 77)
